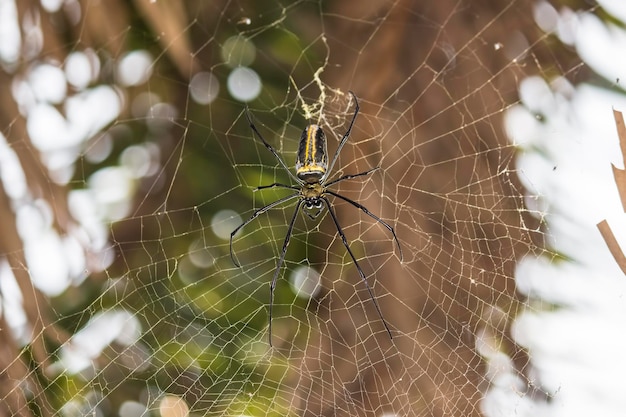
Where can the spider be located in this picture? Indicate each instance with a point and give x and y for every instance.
(312, 174)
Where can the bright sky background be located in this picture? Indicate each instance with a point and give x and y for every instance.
(578, 348)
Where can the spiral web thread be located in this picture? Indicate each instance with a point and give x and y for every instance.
(156, 319)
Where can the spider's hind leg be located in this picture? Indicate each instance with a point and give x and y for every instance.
(358, 267)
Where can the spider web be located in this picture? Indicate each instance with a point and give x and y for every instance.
(127, 161)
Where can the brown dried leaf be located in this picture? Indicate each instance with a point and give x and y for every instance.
(613, 245)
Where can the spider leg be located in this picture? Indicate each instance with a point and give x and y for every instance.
(345, 137)
(256, 214)
(373, 216)
(269, 147)
(350, 176)
(277, 184)
(280, 263)
(363, 278)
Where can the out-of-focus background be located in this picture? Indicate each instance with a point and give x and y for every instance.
(126, 162)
